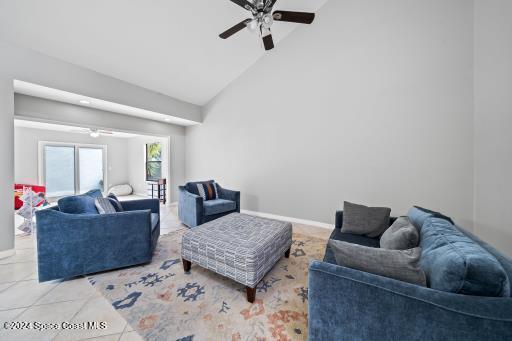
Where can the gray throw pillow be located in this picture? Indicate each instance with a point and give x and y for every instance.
(402, 265)
(104, 206)
(363, 220)
(402, 235)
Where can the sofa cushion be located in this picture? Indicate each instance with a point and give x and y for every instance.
(94, 193)
(192, 186)
(115, 202)
(363, 220)
(401, 235)
(104, 206)
(456, 263)
(155, 217)
(217, 206)
(402, 265)
(207, 190)
(78, 204)
(350, 238)
(418, 217)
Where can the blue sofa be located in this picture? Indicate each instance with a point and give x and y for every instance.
(70, 245)
(347, 304)
(193, 210)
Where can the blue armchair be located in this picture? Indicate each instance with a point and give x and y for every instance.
(347, 304)
(70, 245)
(193, 210)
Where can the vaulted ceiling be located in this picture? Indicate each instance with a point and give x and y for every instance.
(168, 46)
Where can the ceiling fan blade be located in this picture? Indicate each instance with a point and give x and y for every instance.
(238, 27)
(106, 132)
(269, 4)
(296, 17)
(268, 42)
(245, 4)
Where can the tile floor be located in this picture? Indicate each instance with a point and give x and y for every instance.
(23, 298)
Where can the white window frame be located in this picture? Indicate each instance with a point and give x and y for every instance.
(76, 146)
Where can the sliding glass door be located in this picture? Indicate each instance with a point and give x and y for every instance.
(90, 170)
(69, 169)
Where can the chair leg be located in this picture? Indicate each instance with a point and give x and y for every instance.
(251, 294)
(186, 265)
(287, 253)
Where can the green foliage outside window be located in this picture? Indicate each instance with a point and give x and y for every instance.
(153, 161)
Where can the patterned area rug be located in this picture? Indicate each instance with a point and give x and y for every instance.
(161, 302)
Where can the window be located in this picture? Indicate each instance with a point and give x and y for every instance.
(153, 161)
(68, 169)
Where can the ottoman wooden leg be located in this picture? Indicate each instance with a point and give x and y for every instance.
(287, 253)
(251, 294)
(186, 265)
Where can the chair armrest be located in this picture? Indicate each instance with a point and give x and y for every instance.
(142, 204)
(190, 208)
(75, 244)
(347, 304)
(227, 194)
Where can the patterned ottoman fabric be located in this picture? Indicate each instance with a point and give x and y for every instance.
(239, 246)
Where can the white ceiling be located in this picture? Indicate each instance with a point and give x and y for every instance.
(167, 46)
(36, 90)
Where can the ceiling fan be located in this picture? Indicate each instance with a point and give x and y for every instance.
(93, 132)
(263, 18)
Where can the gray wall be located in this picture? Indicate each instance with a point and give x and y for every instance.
(372, 104)
(7, 161)
(57, 112)
(493, 121)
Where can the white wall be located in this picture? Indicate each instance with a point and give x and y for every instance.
(26, 149)
(493, 121)
(372, 103)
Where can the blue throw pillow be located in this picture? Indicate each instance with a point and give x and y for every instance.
(454, 262)
(95, 193)
(78, 204)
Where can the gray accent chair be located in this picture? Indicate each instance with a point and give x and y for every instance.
(193, 210)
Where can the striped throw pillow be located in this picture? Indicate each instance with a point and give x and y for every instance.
(208, 190)
(104, 206)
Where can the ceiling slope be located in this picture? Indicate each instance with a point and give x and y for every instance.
(171, 47)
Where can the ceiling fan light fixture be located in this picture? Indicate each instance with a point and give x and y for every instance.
(253, 25)
(267, 20)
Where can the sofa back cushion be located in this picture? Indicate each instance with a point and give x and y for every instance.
(455, 263)
(80, 204)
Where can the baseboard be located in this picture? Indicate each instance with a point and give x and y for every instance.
(7, 253)
(290, 219)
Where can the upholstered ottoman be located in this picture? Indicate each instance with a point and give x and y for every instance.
(238, 246)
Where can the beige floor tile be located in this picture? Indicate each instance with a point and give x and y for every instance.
(10, 315)
(23, 294)
(4, 286)
(25, 242)
(49, 314)
(96, 309)
(130, 336)
(70, 290)
(17, 271)
(23, 255)
(113, 337)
